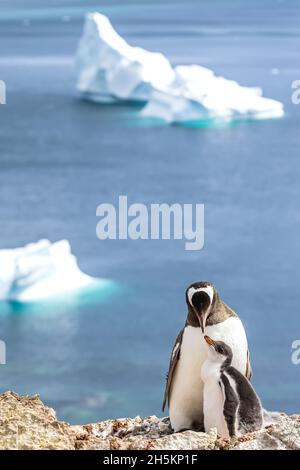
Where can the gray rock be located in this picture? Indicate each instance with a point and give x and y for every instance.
(26, 423)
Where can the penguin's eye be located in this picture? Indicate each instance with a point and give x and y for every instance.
(219, 349)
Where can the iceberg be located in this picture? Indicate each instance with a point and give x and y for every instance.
(110, 70)
(40, 270)
(198, 94)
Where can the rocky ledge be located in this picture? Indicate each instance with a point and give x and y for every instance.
(26, 423)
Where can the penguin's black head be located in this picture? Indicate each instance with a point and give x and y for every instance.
(200, 298)
(220, 350)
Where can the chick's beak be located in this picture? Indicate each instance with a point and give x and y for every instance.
(209, 340)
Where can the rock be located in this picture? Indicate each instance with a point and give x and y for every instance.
(26, 423)
(284, 435)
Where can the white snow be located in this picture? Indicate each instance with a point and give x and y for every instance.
(40, 270)
(110, 70)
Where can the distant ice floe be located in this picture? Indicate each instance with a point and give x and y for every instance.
(110, 70)
(40, 270)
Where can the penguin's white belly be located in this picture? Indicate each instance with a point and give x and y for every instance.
(186, 395)
(213, 404)
(185, 404)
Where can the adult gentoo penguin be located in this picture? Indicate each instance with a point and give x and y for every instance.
(230, 403)
(184, 388)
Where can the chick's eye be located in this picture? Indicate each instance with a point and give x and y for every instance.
(220, 350)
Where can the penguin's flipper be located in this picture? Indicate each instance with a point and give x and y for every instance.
(231, 403)
(248, 372)
(172, 366)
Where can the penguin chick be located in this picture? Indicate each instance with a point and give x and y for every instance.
(230, 403)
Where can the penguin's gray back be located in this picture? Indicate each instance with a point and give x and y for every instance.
(242, 410)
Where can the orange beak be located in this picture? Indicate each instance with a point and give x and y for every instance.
(209, 340)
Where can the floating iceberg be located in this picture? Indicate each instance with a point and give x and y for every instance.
(40, 270)
(110, 70)
(198, 94)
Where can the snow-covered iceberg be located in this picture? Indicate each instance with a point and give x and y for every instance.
(198, 94)
(111, 70)
(40, 270)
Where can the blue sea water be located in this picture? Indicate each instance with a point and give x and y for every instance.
(106, 354)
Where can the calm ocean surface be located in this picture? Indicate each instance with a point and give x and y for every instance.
(106, 355)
